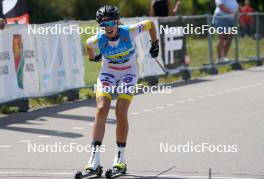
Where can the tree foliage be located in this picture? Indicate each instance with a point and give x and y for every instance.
(42, 11)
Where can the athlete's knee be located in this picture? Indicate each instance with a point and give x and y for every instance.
(121, 114)
(102, 109)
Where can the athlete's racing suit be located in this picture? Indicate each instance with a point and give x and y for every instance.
(119, 72)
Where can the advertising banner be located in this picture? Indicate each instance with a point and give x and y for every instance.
(39, 64)
(172, 43)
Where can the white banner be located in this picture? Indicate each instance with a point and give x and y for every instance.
(75, 59)
(8, 79)
(147, 65)
(33, 65)
(55, 72)
(19, 75)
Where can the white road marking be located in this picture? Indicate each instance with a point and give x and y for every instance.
(248, 86)
(180, 102)
(25, 141)
(5, 146)
(147, 110)
(210, 95)
(160, 176)
(197, 176)
(43, 136)
(135, 113)
(37, 173)
(170, 104)
(159, 107)
(77, 128)
(240, 88)
(236, 89)
(191, 99)
(200, 97)
(243, 87)
(219, 93)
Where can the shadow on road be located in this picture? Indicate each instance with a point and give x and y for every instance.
(54, 111)
(29, 118)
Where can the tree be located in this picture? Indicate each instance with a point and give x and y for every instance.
(42, 11)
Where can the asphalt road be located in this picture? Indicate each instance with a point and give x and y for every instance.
(224, 111)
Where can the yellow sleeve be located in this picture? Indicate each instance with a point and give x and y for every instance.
(140, 27)
(146, 24)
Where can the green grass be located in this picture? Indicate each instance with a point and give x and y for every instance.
(91, 72)
(91, 68)
(199, 52)
(8, 110)
(87, 93)
(46, 101)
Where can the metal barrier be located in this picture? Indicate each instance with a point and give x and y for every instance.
(202, 48)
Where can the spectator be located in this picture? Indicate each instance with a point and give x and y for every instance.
(246, 20)
(224, 18)
(157, 9)
(2, 17)
(163, 8)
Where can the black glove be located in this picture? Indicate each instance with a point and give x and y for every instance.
(98, 58)
(154, 50)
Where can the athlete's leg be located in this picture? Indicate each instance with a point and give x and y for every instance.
(103, 100)
(128, 83)
(103, 105)
(122, 106)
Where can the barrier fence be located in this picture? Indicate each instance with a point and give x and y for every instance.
(38, 65)
(248, 48)
(35, 65)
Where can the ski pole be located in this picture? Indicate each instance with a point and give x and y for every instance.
(163, 69)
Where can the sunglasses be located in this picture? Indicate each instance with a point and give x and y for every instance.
(108, 24)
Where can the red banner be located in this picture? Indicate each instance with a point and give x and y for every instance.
(24, 19)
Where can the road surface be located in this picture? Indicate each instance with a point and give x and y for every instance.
(225, 110)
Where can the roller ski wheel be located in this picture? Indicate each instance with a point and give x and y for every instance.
(78, 175)
(98, 172)
(108, 173)
(116, 171)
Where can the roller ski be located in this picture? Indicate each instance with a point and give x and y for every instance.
(89, 173)
(93, 168)
(117, 170)
(119, 166)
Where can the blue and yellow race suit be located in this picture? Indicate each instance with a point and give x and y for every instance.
(119, 63)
